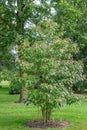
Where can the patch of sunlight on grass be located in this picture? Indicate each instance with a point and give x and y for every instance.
(4, 83)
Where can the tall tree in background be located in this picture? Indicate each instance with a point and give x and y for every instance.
(15, 17)
(71, 15)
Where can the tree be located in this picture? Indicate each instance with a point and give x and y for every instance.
(49, 70)
(16, 17)
(70, 15)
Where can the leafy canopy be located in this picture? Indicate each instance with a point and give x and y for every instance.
(49, 69)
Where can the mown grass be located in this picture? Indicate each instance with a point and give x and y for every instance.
(14, 115)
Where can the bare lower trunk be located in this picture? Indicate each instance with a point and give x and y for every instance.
(21, 97)
(46, 113)
(22, 88)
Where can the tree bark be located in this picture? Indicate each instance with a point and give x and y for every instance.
(20, 28)
(21, 97)
(46, 113)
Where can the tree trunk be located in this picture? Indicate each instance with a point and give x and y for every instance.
(21, 97)
(46, 115)
(20, 28)
(46, 112)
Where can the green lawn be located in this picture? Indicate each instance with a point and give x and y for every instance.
(14, 115)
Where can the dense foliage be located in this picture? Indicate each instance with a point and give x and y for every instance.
(15, 86)
(49, 69)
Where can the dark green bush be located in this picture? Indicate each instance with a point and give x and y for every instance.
(14, 87)
(80, 86)
(0, 86)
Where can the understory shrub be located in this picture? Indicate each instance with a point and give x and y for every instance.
(80, 86)
(14, 86)
(0, 86)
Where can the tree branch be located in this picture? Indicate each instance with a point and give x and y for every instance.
(10, 4)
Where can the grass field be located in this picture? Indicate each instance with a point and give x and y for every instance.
(14, 115)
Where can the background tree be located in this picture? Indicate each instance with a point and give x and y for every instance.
(15, 17)
(71, 17)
